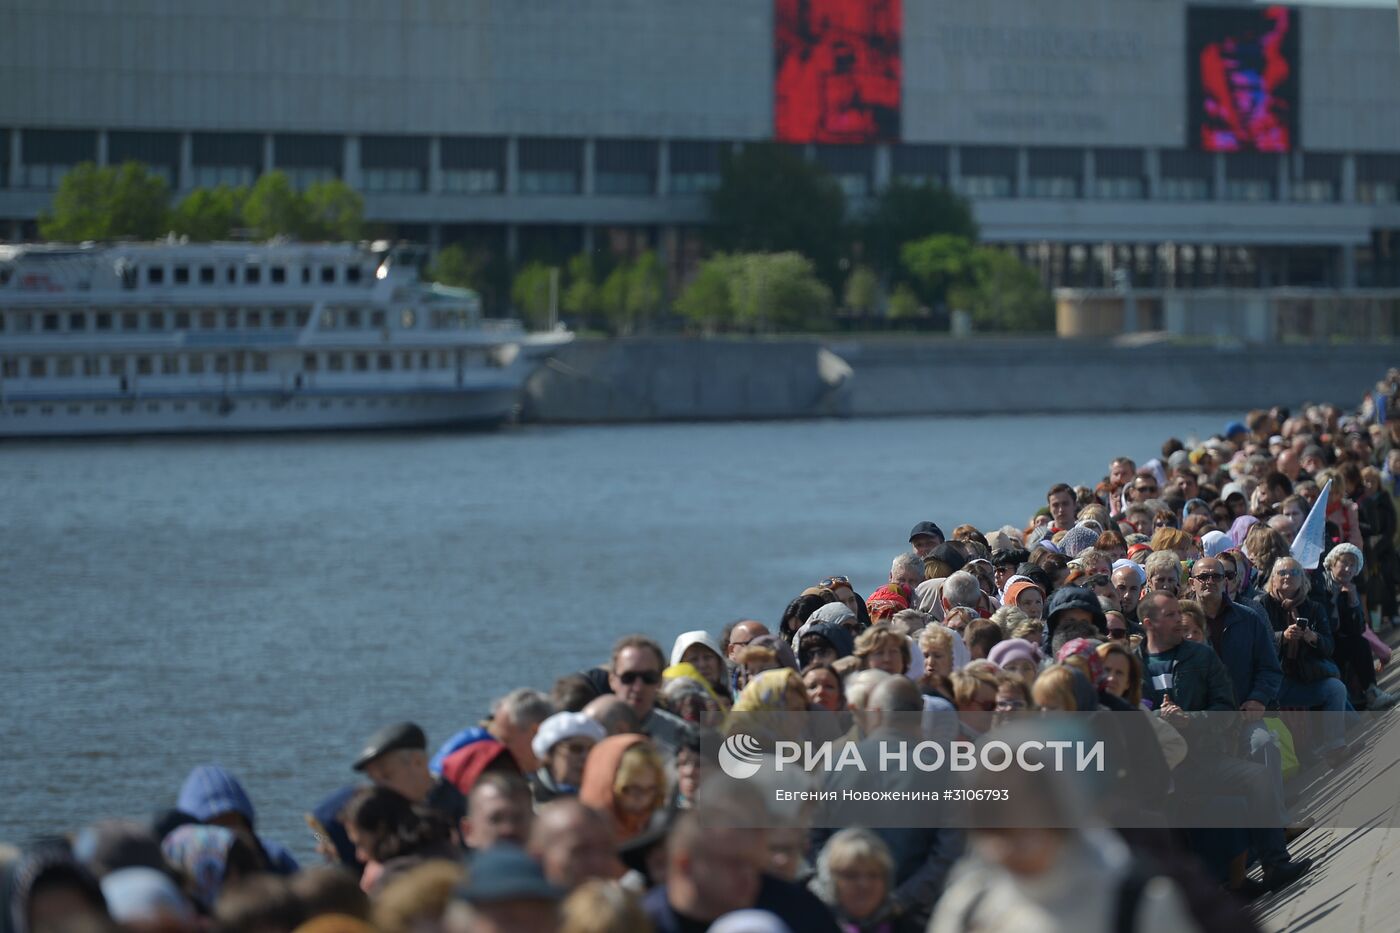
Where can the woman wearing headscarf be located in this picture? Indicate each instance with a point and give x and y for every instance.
(1240, 529)
(1343, 566)
(209, 857)
(625, 779)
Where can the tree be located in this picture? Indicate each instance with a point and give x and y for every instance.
(332, 211)
(1004, 294)
(862, 290)
(645, 287)
(274, 208)
(454, 266)
(612, 297)
(707, 300)
(904, 304)
(939, 264)
(771, 200)
(581, 297)
(779, 291)
(905, 213)
(530, 293)
(105, 203)
(208, 214)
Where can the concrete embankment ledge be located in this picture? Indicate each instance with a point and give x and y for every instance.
(691, 379)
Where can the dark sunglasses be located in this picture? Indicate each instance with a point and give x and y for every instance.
(1152, 488)
(1209, 576)
(836, 581)
(650, 678)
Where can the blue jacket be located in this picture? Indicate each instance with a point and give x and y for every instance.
(1246, 647)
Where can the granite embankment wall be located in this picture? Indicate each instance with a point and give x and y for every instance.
(678, 379)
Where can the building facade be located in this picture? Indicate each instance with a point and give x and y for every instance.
(1092, 136)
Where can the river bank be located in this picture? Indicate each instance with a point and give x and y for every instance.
(688, 379)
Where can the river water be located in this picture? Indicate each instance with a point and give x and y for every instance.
(267, 603)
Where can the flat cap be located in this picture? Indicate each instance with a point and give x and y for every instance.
(391, 738)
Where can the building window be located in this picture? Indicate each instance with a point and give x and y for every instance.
(254, 317)
(695, 166)
(986, 186)
(352, 318)
(104, 321)
(131, 321)
(361, 362)
(195, 363)
(92, 366)
(1249, 189)
(51, 322)
(473, 165)
(277, 275)
(155, 275)
(1377, 192)
(77, 321)
(550, 166)
(392, 180)
(155, 320)
(470, 181)
(385, 361)
(1184, 189)
(328, 275)
(1119, 189)
(352, 275)
(1315, 191)
(143, 366)
(252, 275)
(376, 319)
(234, 176)
(1054, 187)
(206, 275)
(63, 367)
(182, 275)
(169, 365)
(335, 362)
(182, 320)
(259, 361)
(309, 362)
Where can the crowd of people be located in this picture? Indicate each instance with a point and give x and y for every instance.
(1169, 588)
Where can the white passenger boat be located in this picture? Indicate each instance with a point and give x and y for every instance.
(171, 337)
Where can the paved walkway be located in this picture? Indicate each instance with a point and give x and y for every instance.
(1355, 880)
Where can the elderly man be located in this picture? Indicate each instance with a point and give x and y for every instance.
(739, 636)
(573, 843)
(1185, 681)
(515, 718)
(396, 758)
(634, 674)
(908, 569)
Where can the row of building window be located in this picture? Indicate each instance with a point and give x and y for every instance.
(20, 410)
(332, 318)
(195, 364)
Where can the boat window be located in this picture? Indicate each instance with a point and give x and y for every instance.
(444, 359)
(63, 366)
(143, 366)
(352, 318)
(92, 366)
(182, 275)
(155, 275)
(208, 320)
(252, 275)
(206, 275)
(99, 409)
(425, 360)
(309, 362)
(335, 362)
(104, 321)
(277, 319)
(386, 361)
(195, 363)
(77, 321)
(182, 320)
(24, 322)
(278, 275)
(45, 409)
(179, 406)
(75, 409)
(37, 367)
(20, 409)
(131, 321)
(407, 319)
(51, 322)
(352, 274)
(361, 362)
(170, 365)
(327, 275)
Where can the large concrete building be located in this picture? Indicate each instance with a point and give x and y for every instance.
(1085, 131)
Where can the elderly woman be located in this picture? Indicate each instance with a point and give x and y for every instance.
(562, 745)
(855, 878)
(1025, 596)
(1163, 571)
(1305, 645)
(1343, 565)
(881, 648)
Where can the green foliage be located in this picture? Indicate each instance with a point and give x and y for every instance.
(208, 214)
(939, 264)
(1005, 294)
(454, 266)
(771, 200)
(862, 290)
(105, 203)
(707, 300)
(273, 207)
(906, 213)
(757, 292)
(582, 296)
(332, 210)
(645, 288)
(529, 293)
(904, 304)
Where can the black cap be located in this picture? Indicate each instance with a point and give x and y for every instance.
(391, 738)
(927, 528)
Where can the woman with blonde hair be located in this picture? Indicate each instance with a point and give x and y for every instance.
(882, 648)
(625, 778)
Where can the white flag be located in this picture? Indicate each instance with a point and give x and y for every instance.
(1311, 541)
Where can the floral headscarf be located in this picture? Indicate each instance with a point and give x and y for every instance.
(887, 600)
(201, 852)
(1083, 648)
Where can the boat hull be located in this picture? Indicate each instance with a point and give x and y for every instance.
(249, 414)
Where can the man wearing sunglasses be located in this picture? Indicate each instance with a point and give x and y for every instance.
(634, 674)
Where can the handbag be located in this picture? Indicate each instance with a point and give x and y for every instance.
(1378, 648)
